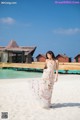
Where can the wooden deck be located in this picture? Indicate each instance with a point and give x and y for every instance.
(40, 65)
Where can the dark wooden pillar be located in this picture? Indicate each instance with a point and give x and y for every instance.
(8, 57)
(22, 56)
(16, 59)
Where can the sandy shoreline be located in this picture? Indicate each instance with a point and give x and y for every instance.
(15, 98)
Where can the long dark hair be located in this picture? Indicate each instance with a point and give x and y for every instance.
(52, 54)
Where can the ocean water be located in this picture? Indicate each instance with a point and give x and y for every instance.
(11, 74)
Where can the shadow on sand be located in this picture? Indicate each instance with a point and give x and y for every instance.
(61, 105)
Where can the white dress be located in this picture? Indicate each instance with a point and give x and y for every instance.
(43, 88)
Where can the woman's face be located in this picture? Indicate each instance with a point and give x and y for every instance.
(49, 56)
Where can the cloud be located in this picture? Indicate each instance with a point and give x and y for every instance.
(69, 31)
(7, 20)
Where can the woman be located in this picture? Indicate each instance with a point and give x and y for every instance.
(48, 78)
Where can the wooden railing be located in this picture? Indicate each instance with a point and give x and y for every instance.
(40, 65)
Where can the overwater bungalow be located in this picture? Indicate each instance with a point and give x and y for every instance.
(77, 58)
(13, 53)
(41, 58)
(60, 57)
(63, 58)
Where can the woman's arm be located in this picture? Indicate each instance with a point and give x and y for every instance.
(57, 67)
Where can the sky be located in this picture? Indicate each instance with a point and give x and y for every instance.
(46, 24)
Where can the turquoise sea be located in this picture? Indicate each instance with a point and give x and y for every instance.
(11, 74)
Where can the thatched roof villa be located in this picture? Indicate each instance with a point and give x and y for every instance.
(63, 58)
(77, 58)
(16, 54)
(41, 58)
(60, 57)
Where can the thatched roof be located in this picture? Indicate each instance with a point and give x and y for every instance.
(77, 56)
(12, 44)
(41, 55)
(13, 47)
(62, 55)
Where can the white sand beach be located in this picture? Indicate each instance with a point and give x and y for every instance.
(15, 98)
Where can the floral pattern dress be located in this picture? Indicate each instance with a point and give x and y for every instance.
(44, 87)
